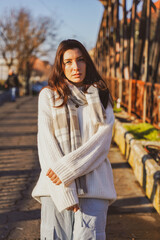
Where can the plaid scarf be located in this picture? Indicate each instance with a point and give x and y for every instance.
(66, 125)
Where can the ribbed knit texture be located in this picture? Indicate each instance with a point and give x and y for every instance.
(89, 159)
(66, 122)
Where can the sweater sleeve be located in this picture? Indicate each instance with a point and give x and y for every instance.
(109, 121)
(46, 140)
(49, 153)
(89, 156)
(76, 163)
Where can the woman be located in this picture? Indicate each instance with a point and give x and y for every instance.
(75, 119)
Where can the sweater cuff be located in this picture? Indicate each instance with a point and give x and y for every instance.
(64, 197)
(63, 172)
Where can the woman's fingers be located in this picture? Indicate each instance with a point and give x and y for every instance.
(74, 208)
(51, 174)
(58, 182)
(69, 208)
(54, 178)
(48, 172)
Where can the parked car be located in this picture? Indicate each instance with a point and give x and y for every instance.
(36, 87)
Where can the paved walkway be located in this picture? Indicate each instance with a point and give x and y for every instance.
(19, 167)
(131, 217)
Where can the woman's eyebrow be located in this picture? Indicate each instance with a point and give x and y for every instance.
(80, 56)
(66, 59)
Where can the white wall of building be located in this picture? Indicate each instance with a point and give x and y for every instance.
(3, 70)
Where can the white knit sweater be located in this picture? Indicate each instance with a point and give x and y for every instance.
(90, 159)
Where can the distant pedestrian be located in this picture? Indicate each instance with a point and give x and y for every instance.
(75, 120)
(12, 83)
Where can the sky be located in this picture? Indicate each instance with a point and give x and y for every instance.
(79, 19)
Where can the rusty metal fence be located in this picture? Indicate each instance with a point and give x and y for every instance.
(139, 97)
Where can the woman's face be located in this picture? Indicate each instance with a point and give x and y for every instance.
(74, 66)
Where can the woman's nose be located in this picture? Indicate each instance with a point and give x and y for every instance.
(75, 65)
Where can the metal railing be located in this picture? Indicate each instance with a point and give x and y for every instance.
(139, 97)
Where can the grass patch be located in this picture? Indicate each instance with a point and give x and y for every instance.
(115, 109)
(143, 131)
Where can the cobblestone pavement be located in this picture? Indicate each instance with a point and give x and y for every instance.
(131, 217)
(19, 167)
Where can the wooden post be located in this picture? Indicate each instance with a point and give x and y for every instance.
(107, 42)
(147, 41)
(125, 72)
(132, 46)
(111, 44)
(120, 88)
(154, 60)
(132, 40)
(146, 53)
(140, 43)
(117, 43)
(130, 97)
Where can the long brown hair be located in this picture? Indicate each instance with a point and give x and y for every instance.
(57, 78)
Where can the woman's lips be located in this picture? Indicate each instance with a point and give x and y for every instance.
(77, 75)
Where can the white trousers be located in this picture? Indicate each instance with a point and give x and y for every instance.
(88, 223)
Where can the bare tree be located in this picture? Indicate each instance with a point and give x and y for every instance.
(24, 39)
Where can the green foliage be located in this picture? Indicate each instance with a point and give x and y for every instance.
(115, 109)
(143, 131)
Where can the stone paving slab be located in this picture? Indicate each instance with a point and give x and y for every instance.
(131, 217)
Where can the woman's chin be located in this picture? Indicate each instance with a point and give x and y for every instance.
(77, 83)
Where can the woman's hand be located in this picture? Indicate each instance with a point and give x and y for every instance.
(54, 178)
(74, 208)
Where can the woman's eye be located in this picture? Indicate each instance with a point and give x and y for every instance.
(81, 60)
(68, 62)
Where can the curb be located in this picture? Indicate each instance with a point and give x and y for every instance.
(145, 168)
